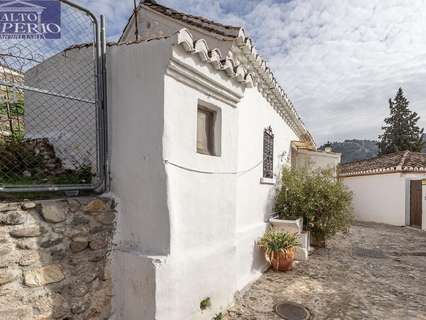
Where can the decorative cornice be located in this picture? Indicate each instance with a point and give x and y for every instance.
(214, 57)
(196, 79)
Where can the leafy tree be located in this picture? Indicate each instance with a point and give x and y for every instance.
(400, 132)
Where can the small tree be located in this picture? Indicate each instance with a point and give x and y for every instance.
(322, 201)
(400, 132)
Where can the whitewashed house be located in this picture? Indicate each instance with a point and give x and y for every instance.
(199, 131)
(388, 189)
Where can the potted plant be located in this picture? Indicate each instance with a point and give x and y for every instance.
(317, 196)
(279, 248)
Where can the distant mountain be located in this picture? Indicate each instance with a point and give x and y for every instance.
(354, 149)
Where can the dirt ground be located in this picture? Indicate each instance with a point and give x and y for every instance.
(374, 272)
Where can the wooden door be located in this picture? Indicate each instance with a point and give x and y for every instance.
(416, 203)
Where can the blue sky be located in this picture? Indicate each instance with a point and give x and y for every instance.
(339, 61)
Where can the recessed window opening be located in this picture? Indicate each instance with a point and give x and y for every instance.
(208, 130)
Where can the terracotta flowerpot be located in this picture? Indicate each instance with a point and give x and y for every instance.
(282, 261)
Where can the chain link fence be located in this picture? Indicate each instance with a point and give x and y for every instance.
(52, 126)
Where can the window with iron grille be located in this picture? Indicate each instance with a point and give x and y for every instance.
(268, 153)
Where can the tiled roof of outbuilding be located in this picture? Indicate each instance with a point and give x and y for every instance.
(197, 21)
(403, 161)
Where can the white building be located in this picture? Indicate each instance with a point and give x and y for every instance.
(306, 156)
(67, 117)
(199, 131)
(389, 189)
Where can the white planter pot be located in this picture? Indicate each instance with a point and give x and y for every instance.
(291, 226)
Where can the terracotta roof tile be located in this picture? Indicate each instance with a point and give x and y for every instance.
(403, 161)
(197, 21)
(415, 160)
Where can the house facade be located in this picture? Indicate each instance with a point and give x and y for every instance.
(190, 212)
(388, 189)
(211, 194)
(199, 132)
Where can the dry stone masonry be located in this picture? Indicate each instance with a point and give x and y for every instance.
(54, 259)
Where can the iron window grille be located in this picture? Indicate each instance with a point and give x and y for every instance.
(268, 153)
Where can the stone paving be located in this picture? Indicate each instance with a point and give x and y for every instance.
(374, 272)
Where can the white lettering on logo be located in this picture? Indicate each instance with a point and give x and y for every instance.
(6, 27)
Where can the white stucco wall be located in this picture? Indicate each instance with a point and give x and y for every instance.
(138, 178)
(316, 159)
(255, 200)
(378, 198)
(70, 125)
(215, 218)
(202, 208)
(382, 198)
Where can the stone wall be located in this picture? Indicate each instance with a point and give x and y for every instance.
(54, 259)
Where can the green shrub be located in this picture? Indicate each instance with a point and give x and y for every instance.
(218, 316)
(16, 109)
(322, 201)
(205, 303)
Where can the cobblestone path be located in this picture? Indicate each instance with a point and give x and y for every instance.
(374, 272)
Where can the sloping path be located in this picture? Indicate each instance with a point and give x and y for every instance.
(374, 272)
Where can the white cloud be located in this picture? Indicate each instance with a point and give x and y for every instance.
(116, 12)
(339, 61)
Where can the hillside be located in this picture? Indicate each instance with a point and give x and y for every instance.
(355, 149)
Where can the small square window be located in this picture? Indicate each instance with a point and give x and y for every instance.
(208, 133)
